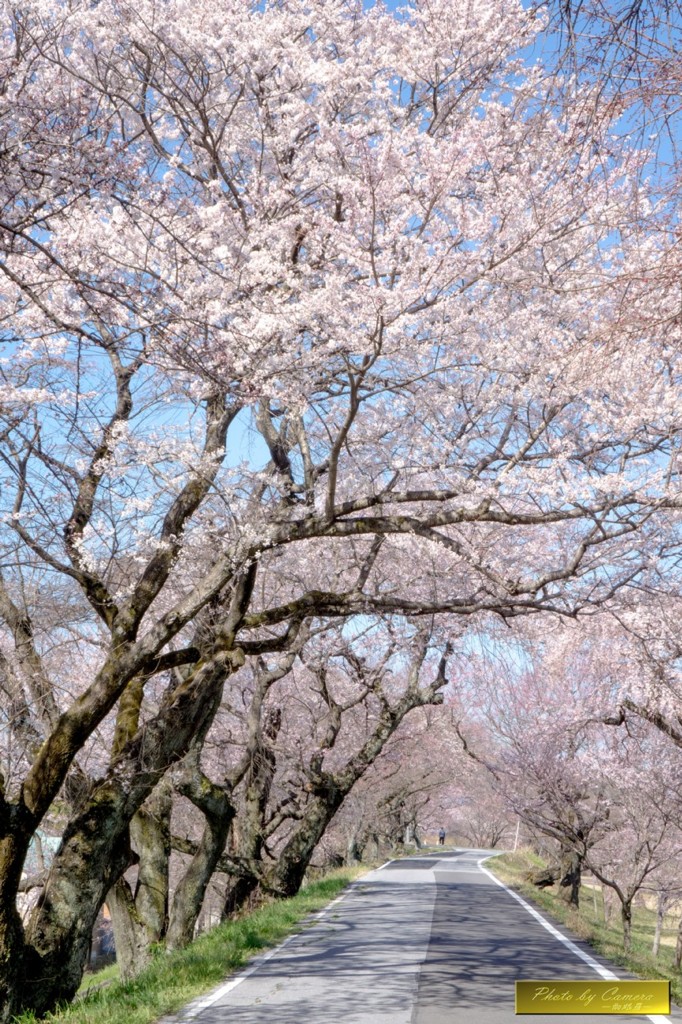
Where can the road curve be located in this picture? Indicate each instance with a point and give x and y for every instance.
(426, 940)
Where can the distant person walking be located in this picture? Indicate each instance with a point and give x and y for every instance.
(441, 837)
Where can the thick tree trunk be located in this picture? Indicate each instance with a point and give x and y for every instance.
(353, 850)
(140, 919)
(130, 940)
(248, 833)
(288, 873)
(13, 849)
(411, 837)
(678, 947)
(189, 895)
(95, 849)
(237, 893)
(94, 854)
(570, 868)
(372, 848)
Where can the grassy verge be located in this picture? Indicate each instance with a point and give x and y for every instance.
(176, 978)
(588, 922)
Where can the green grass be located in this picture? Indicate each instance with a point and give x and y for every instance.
(588, 922)
(174, 979)
(102, 977)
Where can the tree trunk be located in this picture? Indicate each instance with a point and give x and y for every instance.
(94, 854)
(411, 837)
(678, 947)
(626, 918)
(288, 873)
(660, 914)
(372, 848)
(248, 833)
(95, 849)
(570, 868)
(132, 948)
(13, 849)
(237, 893)
(189, 895)
(140, 919)
(353, 850)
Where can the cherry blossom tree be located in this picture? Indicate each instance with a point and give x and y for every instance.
(270, 776)
(608, 797)
(644, 826)
(363, 240)
(538, 754)
(634, 50)
(409, 790)
(351, 707)
(479, 813)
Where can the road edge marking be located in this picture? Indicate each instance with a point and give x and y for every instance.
(603, 972)
(197, 1006)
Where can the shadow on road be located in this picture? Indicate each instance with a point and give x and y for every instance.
(348, 968)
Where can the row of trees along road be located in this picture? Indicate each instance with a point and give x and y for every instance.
(609, 800)
(324, 329)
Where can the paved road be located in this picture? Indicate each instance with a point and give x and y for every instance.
(429, 940)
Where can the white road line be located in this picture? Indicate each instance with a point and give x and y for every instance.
(198, 1005)
(603, 972)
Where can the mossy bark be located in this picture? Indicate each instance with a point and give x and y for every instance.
(95, 849)
(570, 876)
(353, 850)
(93, 855)
(12, 939)
(140, 915)
(190, 893)
(248, 831)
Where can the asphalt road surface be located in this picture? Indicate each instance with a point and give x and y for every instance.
(429, 940)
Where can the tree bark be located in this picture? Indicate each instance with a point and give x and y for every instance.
(411, 837)
(237, 892)
(353, 850)
(13, 848)
(190, 893)
(660, 914)
(95, 849)
(626, 918)
(570, 868)
(249, 833)
(94, 853)
(140, 917)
